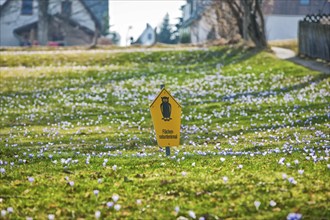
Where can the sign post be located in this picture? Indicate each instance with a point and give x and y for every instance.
(166, 117)
(167, 148)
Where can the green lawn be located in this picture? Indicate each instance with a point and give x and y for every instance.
(77, 140)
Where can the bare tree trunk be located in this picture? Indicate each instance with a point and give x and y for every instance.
(250, 19)
(43, 21)
(256, 25)
(262, 29)
(246, 19)
(96, 36)
(238, 13)
(97, 31)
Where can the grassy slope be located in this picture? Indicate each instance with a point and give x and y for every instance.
(246, 107)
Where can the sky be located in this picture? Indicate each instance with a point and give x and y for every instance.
(137, 13)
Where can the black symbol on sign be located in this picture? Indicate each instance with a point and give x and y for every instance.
(166, 108)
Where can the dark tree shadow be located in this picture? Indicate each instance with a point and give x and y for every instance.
(265, 93)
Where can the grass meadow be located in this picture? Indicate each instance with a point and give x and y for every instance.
(77, 140)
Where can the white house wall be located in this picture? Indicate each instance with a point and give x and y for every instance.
(200, 29)
(277, 27)
(11, 18)
(186, 12)
(144, 37)
(280, 27)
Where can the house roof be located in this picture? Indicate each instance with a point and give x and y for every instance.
(190, 20)
(26, 27)
(3, 3)
(99, 8)
(94, 18)
(71, 22)
(75, 24)
(139, 41)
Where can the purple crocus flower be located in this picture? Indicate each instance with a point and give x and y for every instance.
(294, 216)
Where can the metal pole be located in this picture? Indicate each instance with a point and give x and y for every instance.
(167, 149)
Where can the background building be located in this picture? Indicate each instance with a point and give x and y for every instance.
(201, 21)
(148, 36)
(70, 22)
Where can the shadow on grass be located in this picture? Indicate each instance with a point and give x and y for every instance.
(266, 93)
(298, 123)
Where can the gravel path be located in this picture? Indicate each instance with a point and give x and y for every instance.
(287, 54)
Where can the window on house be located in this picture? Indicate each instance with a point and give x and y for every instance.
(66, 8)
(304, 2)
(27, 7)
(149, 36)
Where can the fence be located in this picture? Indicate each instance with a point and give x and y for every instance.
(314, 36)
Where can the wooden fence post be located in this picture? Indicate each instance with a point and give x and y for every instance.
(314, 37)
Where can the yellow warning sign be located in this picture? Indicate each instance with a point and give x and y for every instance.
(166, 116)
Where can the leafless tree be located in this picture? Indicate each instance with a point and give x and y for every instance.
(250, 20)
(238, 16)
(225, 19)
(43, 21)
(96, 32)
